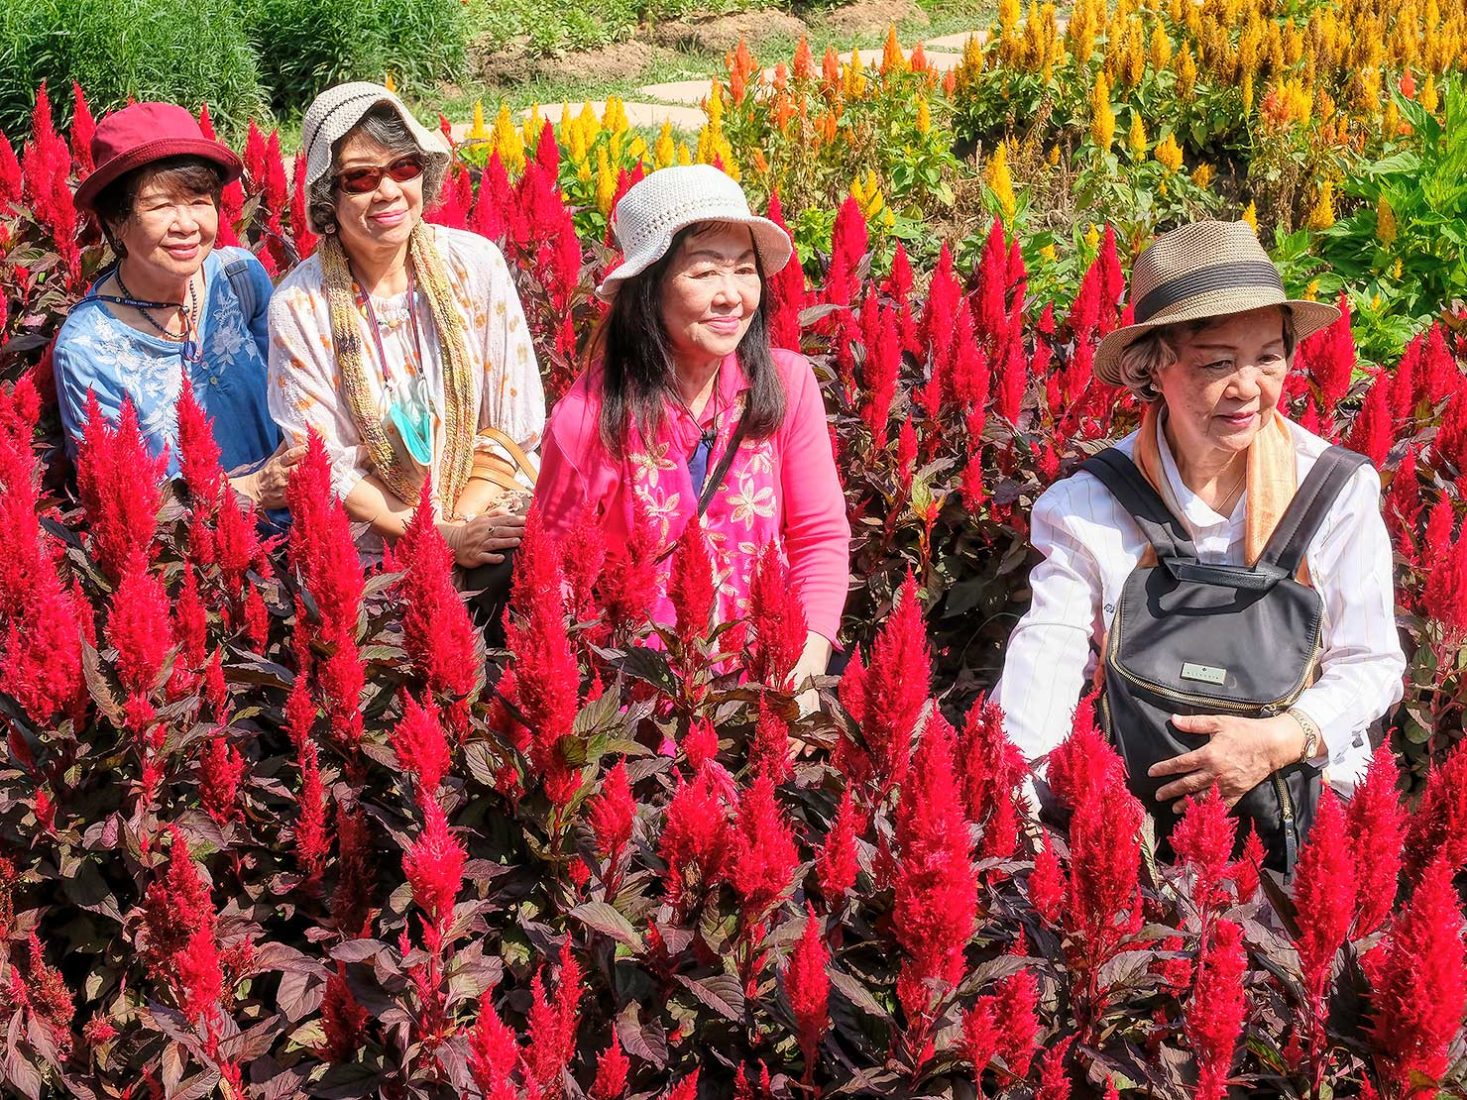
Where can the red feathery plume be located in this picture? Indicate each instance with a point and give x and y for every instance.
(83, 126)
(935, 904)
(940, 316)
(769, 751)
(695, 837)
(139, 627)
(1402, 505)
(1047, 882)
(221, 766)
(611, 1072)
(1371, 433)
(786, 291)
(1203, 840)
(10, 178)
(629, 576)
(894, 688)
(1418, 980)
(1438, 828)
(583, 555)
(991, 306)
(1324, 897)
(421, 747)
(906, 453)
(778, 618)
(847, 249)
(552, 1025)
(835, 863)
(312, 834)
(198, 452)
(300, 224)
(343, 1020)
(807, 986)
(180, 948)
(1054, 1078)
(1328, 356)
(690, 586)
(117, 480)
(45, 185)
(1444, 596)
(488, 215)
(494, 1052)
(434, 866)
(685, 1089)
(1376, 825)
(1244, 870)
(1216, 1009)
(980, 1036)
(612, 812)
(437, 632)
(1016, 1012)
(992, 770)
(762, 856)
(969, 378)
(882, 368)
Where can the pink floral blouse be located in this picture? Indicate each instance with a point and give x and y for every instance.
(782, 489)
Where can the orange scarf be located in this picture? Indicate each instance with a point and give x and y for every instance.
(1272, 478)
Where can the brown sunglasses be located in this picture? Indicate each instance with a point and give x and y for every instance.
(360, 181)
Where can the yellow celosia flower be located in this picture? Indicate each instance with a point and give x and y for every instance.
(1001, 182)
(664, 153)
(1092, 237)
(1385, 222)
(1247, 92)
(1390, 122)
(1053, 156)
(1049, 253)
(532, 128)
(855, 77)
(507, 141)
(590, 124)
(1250, 215)
(892, 58)
(1429, 98)
(478, 131)
(1161, 49)
(714, 105)
(605, 182)
(1396, 268)
(684, 155)
(614, 116)
(1137, 137)
(1169, 154)
(867, 193)
(1202, 176)
(1186, 74)
(924, 115)
(389, 83)
(1322, 216)
(1102, 118)
(1311, 292)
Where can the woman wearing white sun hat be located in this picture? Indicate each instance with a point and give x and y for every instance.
(403, 344)
(685, 409)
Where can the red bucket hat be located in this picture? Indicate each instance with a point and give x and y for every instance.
(144, 133)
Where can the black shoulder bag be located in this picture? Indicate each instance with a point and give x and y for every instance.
(1192, 638)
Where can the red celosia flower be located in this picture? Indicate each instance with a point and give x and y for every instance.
(807, 986)
(434, 866)
(762, 854)
(848, 245)
(1329, 357)
(1438, 828)
(786, 292)
(690, 585)
(1402, 505)
(179, 919)
(321, 545)
(1444, 596)
(612, 812)
(628, 577)
(700, 743)
(1418, 979)
(138, 626)
(1244, 870)
(695, 837)
(685, 1089)
(48, 997)
(1216, 1008)
(420, 745)
(312, 835)
(437, 631)
(1047, 882)
(221, 766)
(883, 366)
(980, 1036)
(611, 1072)
(1175, 973)
(300, 226)
(992, 770)
(99, 1030)
(935, 902)
(894, 688)
(835, 863)
(1054, 1078)
(1016, 1013)
(117, 480)
(1376, 826)
(769, 751)
(1324, 897)
(494, 1053)
(198, 453)
(1371, 433)
(343, 1020)
(583, 555)
(778, 618)
(552, 1025)
(10, 179)
(1203, 840)
(191, 622)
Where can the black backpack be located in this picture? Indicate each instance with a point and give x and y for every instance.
(1193, 638)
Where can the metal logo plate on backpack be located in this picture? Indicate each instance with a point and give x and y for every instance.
(1205, 674)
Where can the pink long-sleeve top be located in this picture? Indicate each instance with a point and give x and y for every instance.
(782, 489)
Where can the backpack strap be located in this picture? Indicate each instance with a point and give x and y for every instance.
(238, 274)
(1312, 501)
(1167, 535)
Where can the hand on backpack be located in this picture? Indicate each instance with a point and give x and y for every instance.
(1240, 754)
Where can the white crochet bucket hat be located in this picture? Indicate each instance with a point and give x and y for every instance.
(654, 209)
(334, 112)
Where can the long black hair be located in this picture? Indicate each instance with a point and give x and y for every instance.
(638, 374)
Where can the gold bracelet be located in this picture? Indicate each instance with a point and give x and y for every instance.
(1312, 736)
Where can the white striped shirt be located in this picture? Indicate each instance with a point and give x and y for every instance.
(1090, 545)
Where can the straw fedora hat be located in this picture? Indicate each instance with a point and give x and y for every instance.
(654, 209)
(1202, 270)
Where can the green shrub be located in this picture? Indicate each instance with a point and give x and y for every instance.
(305, 46)
(184, 51)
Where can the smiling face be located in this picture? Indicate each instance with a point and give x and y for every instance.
(381, 219)
(710, 293)
(170, 230)
(1225, 383)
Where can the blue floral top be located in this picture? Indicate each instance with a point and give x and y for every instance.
(95, 351)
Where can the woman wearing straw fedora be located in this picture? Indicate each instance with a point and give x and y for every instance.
(686, 410)
(172, 306)
(402, 345)
(1227, 570)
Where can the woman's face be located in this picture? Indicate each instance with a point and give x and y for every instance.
(380, 219)
(1225, 383)
(710, 293)
(170, 230)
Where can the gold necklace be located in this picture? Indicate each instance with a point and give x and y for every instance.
(1225, 507)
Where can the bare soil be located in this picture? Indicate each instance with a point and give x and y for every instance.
(719, 34)
(873, 16)
(605, 64)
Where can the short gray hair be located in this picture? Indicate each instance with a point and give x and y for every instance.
(384, 126)
(1147, 355)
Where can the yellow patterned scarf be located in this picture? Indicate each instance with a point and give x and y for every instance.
(351, 353)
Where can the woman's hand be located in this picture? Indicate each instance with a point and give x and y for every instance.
(814, 660)
(1241, 753)
(266, 486)
(483, 540)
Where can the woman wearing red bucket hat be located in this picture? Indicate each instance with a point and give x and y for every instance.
(171, 306)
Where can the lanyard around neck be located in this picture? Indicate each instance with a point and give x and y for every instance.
(365, 300)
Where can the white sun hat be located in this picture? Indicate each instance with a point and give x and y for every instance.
(334, 112)
(654, 209)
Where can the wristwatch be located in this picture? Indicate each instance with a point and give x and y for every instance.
(1312, 736)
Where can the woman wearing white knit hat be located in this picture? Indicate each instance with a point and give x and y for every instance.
(685, 410)
(403, 344)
